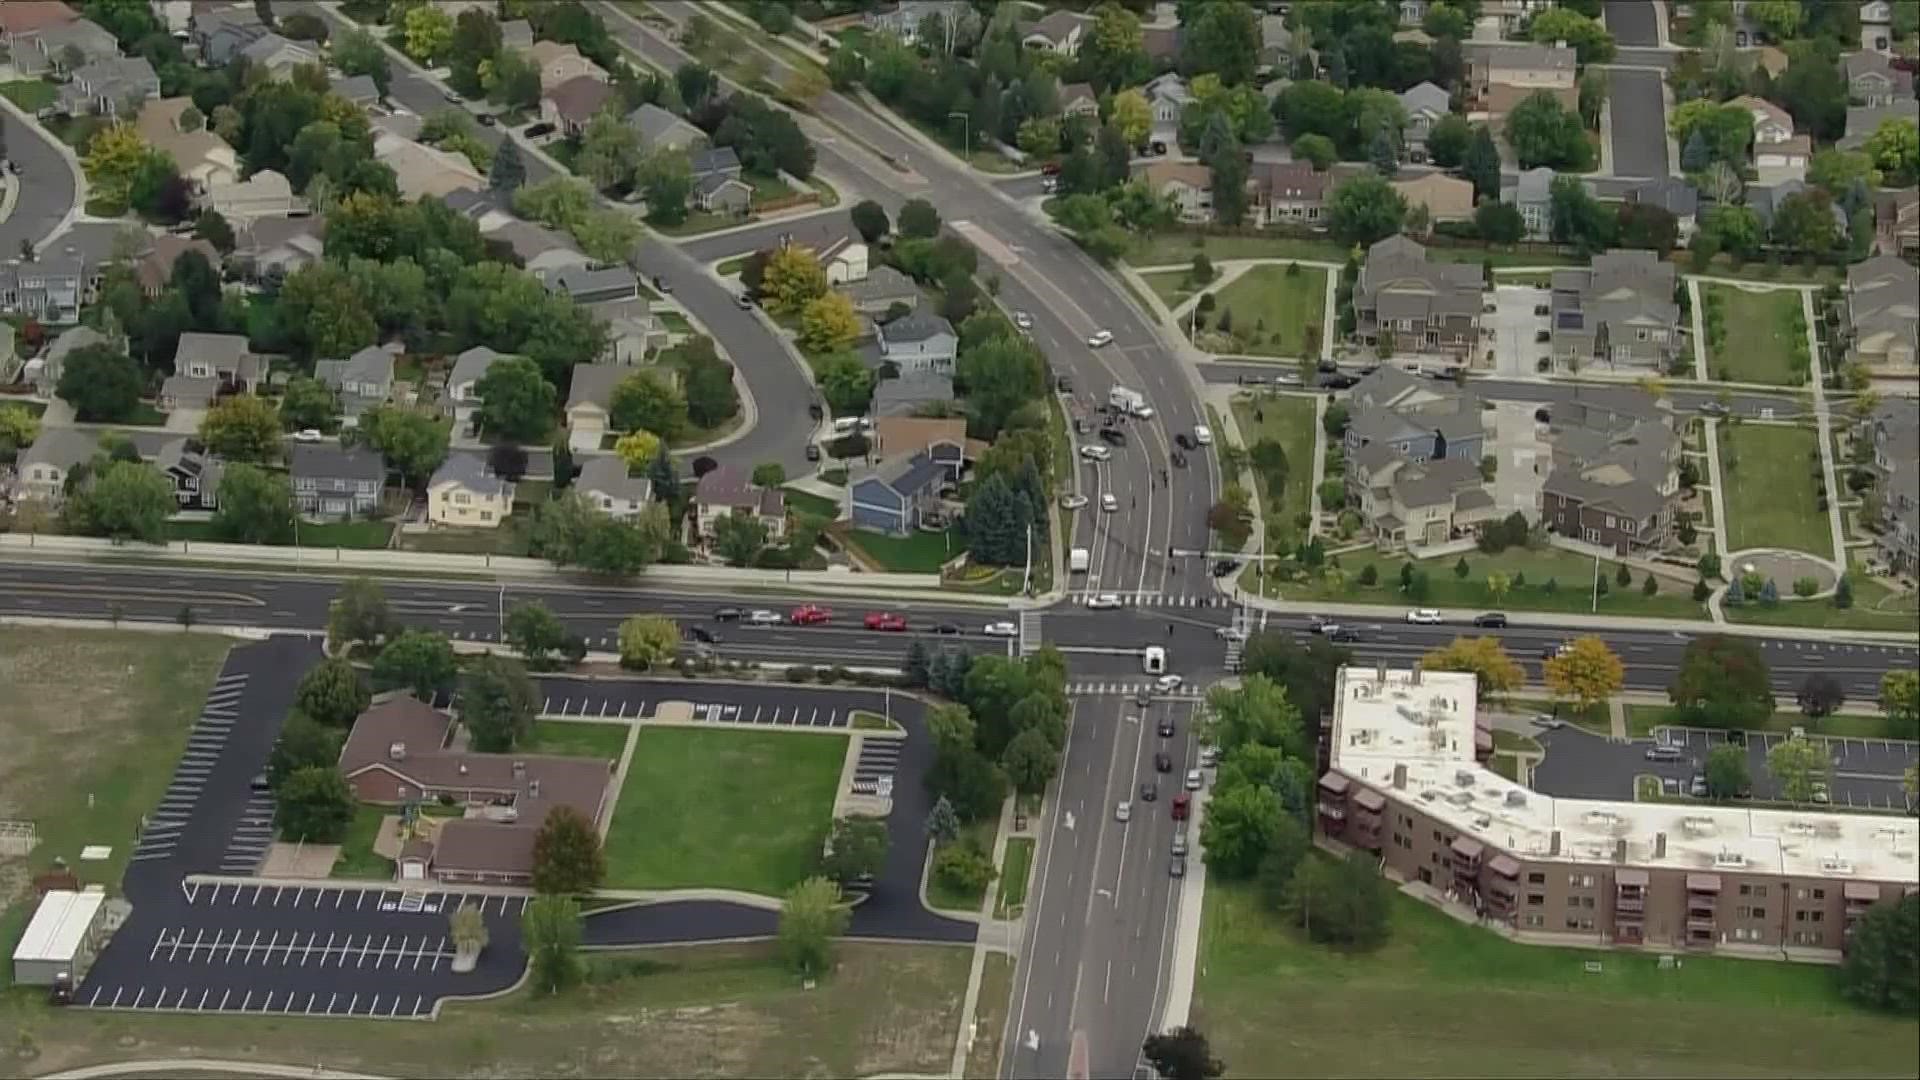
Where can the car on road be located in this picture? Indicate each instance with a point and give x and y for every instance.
(1165, 727)
(308, 435)
(1051, 168)
(487, 119)
(1179, 459)
(1224, 568)
(1230, 633)
(1113, 435)
(1103, 601)
(1149, 791)
(453, 98)
(1340, 382)
(1072, 502)
(763, 617)
(1143, 697)
(1123, 811)
(813, 452)
(1181, 802)
(1180, 843)
(947, 628)
(1250, 380)
(1424, 616)
(1554, 652)
(1094, 452)
(1545, 721)
(1001, 629)
(727, 614)
(883, 620)
(1193, 780)
(1162, 762)
(1203, 434)
(1664, 753)
(1023, 320)
(1099, 338)
(1344, 634)
(1492, 620)
(662, 284)
(1209, 755)
(1714, 408)
(743, 301)
(1063, 384)
(1320, 625)
(1108, 504)
(1177, 868)
(1167, 684)
(1182, 440)
(809, 615)
(703, 635)
(1698, 786)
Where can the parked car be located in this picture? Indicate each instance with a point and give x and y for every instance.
(1177, 868)
(308, 435)
(662, 284)
(1492, 620)
(813, 452)
(1208, 756)
(538, 131)
(1023, 320)
(809, 615)
(1339, 382)
(1664, 753)
(1194, 780)
(1001, 629)
(1072, 502)
(1113, 435)
(1180, 843)
(1224, 568)
(1181, 802)
(1099, 338)
(882, 620)
(487, 119)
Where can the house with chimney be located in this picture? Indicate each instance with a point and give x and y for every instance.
(1414, 305)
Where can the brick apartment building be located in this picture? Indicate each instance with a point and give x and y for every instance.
(1404, 782)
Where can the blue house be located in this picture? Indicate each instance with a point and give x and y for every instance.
(898, 494)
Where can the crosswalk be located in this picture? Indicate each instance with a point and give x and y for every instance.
(873, 769)
(1029, 633)
(1161, 600)
(160, 830)
(1127, 689)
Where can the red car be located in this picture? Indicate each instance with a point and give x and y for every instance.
(885, 620)
(809, 615)
(1051, 168)
(1180, 804)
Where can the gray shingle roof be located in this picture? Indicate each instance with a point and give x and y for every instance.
(324, 461)
(610, 475)
(470, 471)
(63, 447)
(919, 325)
(593, 384)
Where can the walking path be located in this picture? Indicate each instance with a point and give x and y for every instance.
(1719, 486)
(1695, 304)
(1823, 425)
(970, 1002)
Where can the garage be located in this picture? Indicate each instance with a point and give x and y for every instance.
(62, 939)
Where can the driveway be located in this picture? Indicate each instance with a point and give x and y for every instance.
(1633, 22)
(1515, 327)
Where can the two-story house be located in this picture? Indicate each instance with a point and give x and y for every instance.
(1524, 65)
(50, 288)
(44, 467)
(918, 342)
(1883, 315)
(1187, 185)
(1873, 80)
(905, 19)
(193, 473)
(1531, 193)
(731, 490)
(590, 404)
(218, 34)
(558, 63)
(1287, 193)
(362, 381)
(201, 156)
(1425, 104)
(462, 400)
(224, 358)
(278, 56)
(465, 493)
(611, 487)
(1059, 32)
(61, 48)
(1615, 469)
(1894, 430)
(661, 130)
(1413, 504)
(1414, 305)
(1168, 96)
(115, 87)
(1896, 223)
(897, 494)
(1618, 311)
(570, 105)
(332, 482)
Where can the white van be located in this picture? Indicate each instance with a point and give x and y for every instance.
(1153, 660)
(847, 425)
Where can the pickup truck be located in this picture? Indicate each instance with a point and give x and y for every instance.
(809, 615)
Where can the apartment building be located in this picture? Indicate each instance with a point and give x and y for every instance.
(1619, 311)
(1405, 782)
(1416, 305)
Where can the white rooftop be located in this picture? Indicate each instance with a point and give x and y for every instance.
(1424, 721)
(59, 926)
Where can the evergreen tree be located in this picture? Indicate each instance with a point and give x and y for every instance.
(1482, 165)
(508, 172)
(1696, 155)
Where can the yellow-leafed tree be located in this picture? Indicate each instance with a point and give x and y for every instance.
(1587, 672)
(1481, 657)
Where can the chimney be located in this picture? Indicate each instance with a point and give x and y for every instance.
(1553, 846)
(397, 751)
(1659, 845)
(1619, 851)
(1400, 776)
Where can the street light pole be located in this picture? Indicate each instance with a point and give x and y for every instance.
(1596, 580)
(503, 612)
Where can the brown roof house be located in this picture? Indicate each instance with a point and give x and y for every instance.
(1187, 184)
(1287, 192)
(1615, 469)
(570, 104)
(729, 490)
(1447, 198)
(1416, 306)
(402, 751)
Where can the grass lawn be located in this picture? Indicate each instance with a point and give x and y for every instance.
(807, 502)
(511, 538)
(990, 1018)
(1755, 348)
(1173, 287)
(727, 809)
(31, 95)
(146, 415)
(705, 1010)
(357, 859)
(920, 553)
(1875, 607)
(1570, 573)
(578, 739)
(1275, 1005)
(90, 715)
(1287, 420)
(1178, 247)
(1642, 719)
(943, 896)
(675, 322)
(1013, 878)
(1272, 308)
(730, 267)
(1597, 719)
(1771, 493)
(355, 535)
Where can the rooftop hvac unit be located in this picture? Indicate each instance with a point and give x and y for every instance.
(1601, 819)
(1729, 860)
(1697, 825)
(1516, 798)
(1802, 828)
(1835, 865)
(1463, 777)
(1429, 794)
(1482, 821)
(1460, 798)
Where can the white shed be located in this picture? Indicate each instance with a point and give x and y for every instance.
(61, 939)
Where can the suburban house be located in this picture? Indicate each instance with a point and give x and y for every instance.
(1783, 160)
(461, 400)
(1276, 41)
(632, 330)
(901, 492)
(1618, 311)
(1765, 198)
(1078, 99)
(1425, 104)
(269, 248)
(1447, 198)
(45, 372)
(1883, 315)
(1615, 469)
(611, 487)
(277, 56)
(1896, 223)
(50, 289)
(1168, 96)
(1876, 25)
(661, 130)
(1413, 504)
(43, 468)
(908, 394)
(570, 105)
(361, 90)
(516, 34)
(219, 34)
(362, 381)
(1873, 80)
(920, 341)
(1288, 192)
(115, 87)
(718, 193)
(1771, 123)
(559, 63)
(731, 490)
(895, 435)
(202, 156)
(1188, 185)
(540, 250)
(880, 290)
(904, 19)
(264, 194)
(1418, 419)
(1894, 430)
(464, 492)
(54, 48)
(423, 171)
(590, 404)
(708, 161)
(402, 751)
(20, 19)
(1676, 197)
(332, 482)
(482, 207)
(193, 473)
(1414, 305)
(1525, 65)
(221, 357)
(1058, 32)
(1532, 194)
(154, 267)
(589, 286)
(1864, 120)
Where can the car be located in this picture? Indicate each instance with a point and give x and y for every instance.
(1424, 616)
(1023, 320)
(1492, 620)
(1541, 309)
(1108, 503)
(727, 614)
(743, 301)
(1183, 440)
(701, 633)
(1319, 624)
(1179, 459)
(1177, 868)
(1203, 434)
(1094, 452)
(1340, 382)
(1001, 629)
(1180, 843)
(1149, 791)
(538, 131)
(946, 628)
(1230, 633)
(1099, 338)
(1194, 780)
(1167, 684)
(662, 284)
(816, 410)
(1697, 787)
(809, 615)
(1714, 408)
(1123, 811)
(260, 782)
(1327, 367)
(308, 435)
(1103, 601)
(1554, 652)
(1081, 426)
(763, 617)
(1821, 794)
(1209, 755)
(813, 452)
(453, 98)
(1072, 502)
(1225, 568)
(1181, 802)
(1063, 384)
(884, 620)
(487, 119)
(1113, 436)
(1250, 380)
(1051, 168)
(1344, 634)
(1664, 753)
(1165, 727)
(1049, 185)
(1162, 762)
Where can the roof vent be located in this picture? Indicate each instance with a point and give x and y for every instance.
(1516, 798)
(397, 751)
(519, 770)
(1729, 860)
(463, 768)
(533, 787)
(1835, 865)
(1463, 777)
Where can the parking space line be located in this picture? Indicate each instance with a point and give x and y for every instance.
(137, 996)
(399, 956)
(355, 1000)
(159, 939)
(182, 1003)
(246, 1001)
(418, 1000)
(257, 890)
(364, 949)
(175, 950)
(268, 955)
(418, 953)
(269, 1003)
(222, 1007)
(230, 947)
(202, 1004)
(374, 1005)
(395, 1010)
(361, 900)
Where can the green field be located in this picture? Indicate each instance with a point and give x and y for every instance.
(1875, 607)
(31, 95)
(1571, 574)
(356, 535)
(1273, 308)
(1289, 421)
(1755, 348)
(1173, 287)
(723, 809)
(1013, 878)
(919, 553)
(1445, 999)
(356, 858)
(577, 739)
(1771, 490)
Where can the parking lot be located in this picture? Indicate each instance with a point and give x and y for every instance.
(162, 828)
(1866, 772)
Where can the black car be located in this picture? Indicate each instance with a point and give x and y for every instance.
(1179, 459)
(946, 628)
(537, 131)
(1163, 762)
(701, 633)
(1149, 791)
(813, 452)
(727, 614)
(487, 119)
(816, 410)
(1113, 435)
(1344, 633)
(1339, 382)
(1492, 620)
(1183, 441)
(743, 301)
(1328, 367)
(661, 284)
(1064, 384)
(1166, 727)
(1225, 567)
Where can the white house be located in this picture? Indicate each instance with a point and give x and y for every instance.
(918, 342)
(461, 399)
(264, 194)
(612, 488)
(590, 404)
(1771, 123)
(1168, 95)
(1876, 25)
(464, 492)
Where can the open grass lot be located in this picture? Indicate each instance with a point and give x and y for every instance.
(1756, 349)
(807, 502)
(89, 714)
(1287, 420)
(700, 1011)
(1272, 308)
(1014, 872)
(946, 898)
(990, 1017)
(726, 809)
(357, 535)
(1771, 494)
(920, 553)
(1642, 719)
(512, 537)
(357, 859)
(578, 739)
(1443, 999)
(31, 95)
(1173, 287)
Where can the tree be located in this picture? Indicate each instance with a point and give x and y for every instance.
(427, 33)
(1343, 903)
(665, 179)
(870, 218)
(1900, 699)
(1310, 107)
(536, 633)
(963, 867)
(1223, 39)
(1590, 40)
(497, 703)
(468, 929)
(918, 220)
(1799, 768)
(1726, 770)
(301, 744)
(856, 849)
(647, 641)
(1586, 671)
(331, 693)
(794, 278)
(1494, 671)
(1894, 149)
(1722, 682)
(412, 442)
(1648, 226)
(1482, 164)
(115, 156)
(421, 661)
(646, 401)
(550, 931)
(256, 506)
(1821, 695)
(1499, 223)
(1544, 132)
(358, 615)
(608, 236)
(308, 404)
(1030, 760)
(313, 805)
(102, 383)
(1256, 713)
(811, 916)
(1112, 53)
(739, 538)
(1131, 116)
(242, 428)
(1365, 209)
(637, 448)
(567, 859)
(942, 823)
(126, 500)
(357, 52)
(609, 151)
(516, 400)
(1239, 825)
(1447, 142)
(1881, 968)
(828, 323)
(509, 170)
(1182, 1054)
(1578, 218)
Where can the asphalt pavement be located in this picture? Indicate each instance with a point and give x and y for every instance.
(46, 185)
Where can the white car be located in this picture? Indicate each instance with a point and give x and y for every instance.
(1230, 633)
(1193, 779)
(1203, 434)
(1072, 502)
(1001, 629)
(1425, 616)
(1108, 503)
(1166, 684)
(1099, 338)
(1023, 320)
(1209, 756)
(1096, 453)
(1103, 601)
(763, 617)
(308, 435)
(1123, 811)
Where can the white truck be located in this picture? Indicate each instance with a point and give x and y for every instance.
(1131, 402)
(1079, 560)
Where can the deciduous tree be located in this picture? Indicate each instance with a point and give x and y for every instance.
(1587, 671)
(1726, 771)
(1799, 768)
(567, 859)
(102, 383)
(420, 661)
(302, 744)
(1365, 209)
(550, 929)
(516, 400)
(243, 427)
(1182, 1054)
(856, 849)
(313, 805)
(1493, 669)
(811, 917)
(647, 641)
(497, 703)
(1722, 682)
(828, 323)
(256, 506)
(331, 692)
(1881, 968)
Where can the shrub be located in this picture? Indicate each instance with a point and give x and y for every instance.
(1843, 593)
(1702, 590)
(1805, 586)
(1369, 575)
(799, 673)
